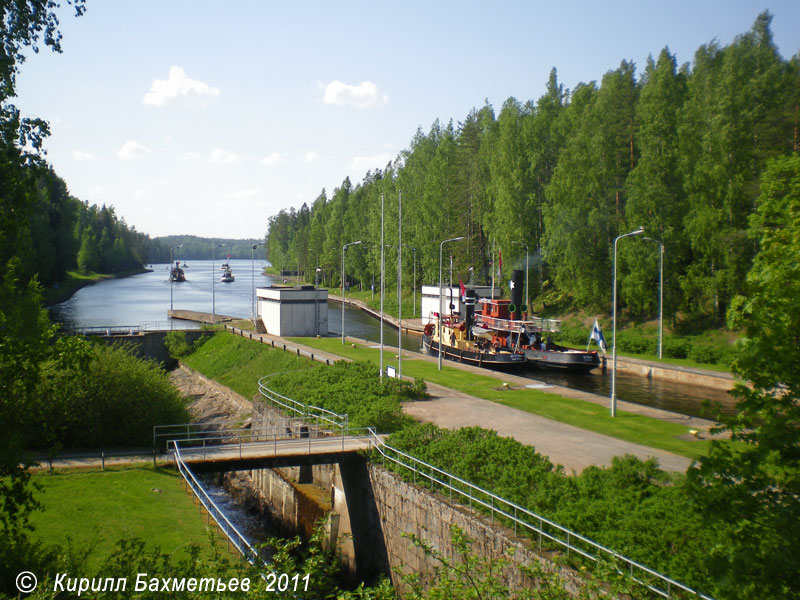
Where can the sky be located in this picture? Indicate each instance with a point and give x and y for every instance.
(207, 118)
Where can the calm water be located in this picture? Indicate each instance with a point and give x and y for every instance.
(145, 298)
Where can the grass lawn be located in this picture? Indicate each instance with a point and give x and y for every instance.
(94, 509)
(586, 415)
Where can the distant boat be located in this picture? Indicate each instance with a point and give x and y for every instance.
(176, 274)
(227, 275)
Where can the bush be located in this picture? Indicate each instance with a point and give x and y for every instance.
(704, 353)
(176, 344)
(102, 396)
(677, 347)
(636, 343)
(354, 389)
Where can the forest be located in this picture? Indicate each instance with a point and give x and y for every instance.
(53, 232)
(199, 248)
(677, 149)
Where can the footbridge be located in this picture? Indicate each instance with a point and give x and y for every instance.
(269, 447)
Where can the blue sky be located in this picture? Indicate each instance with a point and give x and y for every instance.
(206, 118)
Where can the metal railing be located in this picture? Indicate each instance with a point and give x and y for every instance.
(277, 344)
(229, 529)
(163, 434)
(300, 408)
(541, 527)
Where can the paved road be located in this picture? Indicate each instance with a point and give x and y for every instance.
(570, 446)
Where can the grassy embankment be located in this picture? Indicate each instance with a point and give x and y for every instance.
(75, 280)
(92, 510)
(238, 363)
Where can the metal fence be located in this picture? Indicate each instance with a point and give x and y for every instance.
(229, 529)
(539, 527)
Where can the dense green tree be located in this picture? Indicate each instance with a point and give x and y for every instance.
(656, 197)
(734, 120)
(751, 484)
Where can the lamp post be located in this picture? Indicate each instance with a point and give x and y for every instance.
(527, 300)
(170, 274)
(639, 231)
(660, 296)
(383, 264)
(441, 304)
(343, 250)
(213, 282)
(253, 277)
(399, 284)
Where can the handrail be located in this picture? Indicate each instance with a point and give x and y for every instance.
(492, 501)
(305, 410)
(228, 528)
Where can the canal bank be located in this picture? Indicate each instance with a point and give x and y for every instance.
(714, 380)
(64, 290)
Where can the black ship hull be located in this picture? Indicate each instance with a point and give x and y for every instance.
(564, 360)
(505, 361)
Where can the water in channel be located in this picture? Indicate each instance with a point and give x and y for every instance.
(145, 298)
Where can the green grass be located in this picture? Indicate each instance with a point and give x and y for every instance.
(239, 363)
(647, 431)
(94, 509)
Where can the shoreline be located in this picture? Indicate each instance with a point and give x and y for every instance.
(66, 294)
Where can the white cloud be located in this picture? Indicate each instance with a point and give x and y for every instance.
(363, 95)
(311, 157)
(272, 159)
(141, 194)
(95, 191)
(81, 156)
(132, 150)
(223, 157)
(362, 164)
(178, 86)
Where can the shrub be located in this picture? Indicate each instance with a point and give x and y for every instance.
(100, 397)
(704, 353)
(677, 347)
(176, 344)
(635, 343)
(354, 389)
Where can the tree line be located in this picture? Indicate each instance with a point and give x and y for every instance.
(193, 247)
(677, 149)
(51, 232)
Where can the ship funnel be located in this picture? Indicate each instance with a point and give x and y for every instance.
(517, 283)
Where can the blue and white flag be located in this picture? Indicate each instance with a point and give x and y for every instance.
(597, 336)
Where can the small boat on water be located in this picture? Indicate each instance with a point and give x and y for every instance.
(506, 324)
(227, 275)
(176, 273)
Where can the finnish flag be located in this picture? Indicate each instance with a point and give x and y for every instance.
(597, 336)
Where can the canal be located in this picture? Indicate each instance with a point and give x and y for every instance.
(145, 299)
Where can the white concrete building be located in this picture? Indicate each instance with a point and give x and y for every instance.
(430, 299)
(293, 311)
